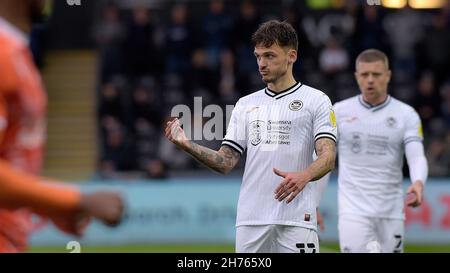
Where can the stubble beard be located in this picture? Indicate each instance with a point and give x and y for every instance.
(275, 78)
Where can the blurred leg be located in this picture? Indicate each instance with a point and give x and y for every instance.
(293, 239)
(254, 239)
(356, 234)
(391, 234)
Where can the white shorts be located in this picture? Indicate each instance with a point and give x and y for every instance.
(276, 239)
(369, 234)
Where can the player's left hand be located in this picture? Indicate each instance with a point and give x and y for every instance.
(320, 221)
(74, 224)
(105, 206)
(292, 184)
(417, 189)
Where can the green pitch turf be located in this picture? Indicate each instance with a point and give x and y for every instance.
(156, 248)
(211, 248)
(409, 248)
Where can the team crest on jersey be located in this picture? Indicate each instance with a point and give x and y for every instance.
(391, 122)
(256, 128)
(296, 105)
(356, 142)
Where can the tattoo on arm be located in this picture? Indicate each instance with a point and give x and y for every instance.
(221, 161)
(326, 152)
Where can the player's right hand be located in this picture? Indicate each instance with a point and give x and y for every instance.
(175, 133)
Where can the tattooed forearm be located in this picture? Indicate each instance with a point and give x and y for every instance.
(326, 152)
(222, 161)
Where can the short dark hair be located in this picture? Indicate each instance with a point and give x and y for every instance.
(275, 32)
(372, 55)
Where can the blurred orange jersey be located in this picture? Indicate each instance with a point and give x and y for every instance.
(22, 125)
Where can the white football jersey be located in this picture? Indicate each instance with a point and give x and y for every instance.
(278, 131)
(370, 155)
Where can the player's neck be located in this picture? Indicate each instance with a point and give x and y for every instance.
(282, 84)
(16, 15)
(376, 101)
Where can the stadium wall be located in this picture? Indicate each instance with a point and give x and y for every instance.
(204, 211)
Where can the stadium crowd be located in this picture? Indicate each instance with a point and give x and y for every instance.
(153, 58)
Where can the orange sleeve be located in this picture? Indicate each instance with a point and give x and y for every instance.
(22, 190)
(3, 116)
(8, 79)
(8, 72)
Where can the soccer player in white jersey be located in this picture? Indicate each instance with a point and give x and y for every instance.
(375, 131)
(279, 126)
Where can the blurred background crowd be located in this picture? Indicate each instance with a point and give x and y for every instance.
(153, 55)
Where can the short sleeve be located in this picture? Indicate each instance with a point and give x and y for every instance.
(236, 136)
(8, 71)
(325, 120)
(413, 128)
(8, 82)
(3, 115)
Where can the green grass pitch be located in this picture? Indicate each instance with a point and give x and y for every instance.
(210, 248)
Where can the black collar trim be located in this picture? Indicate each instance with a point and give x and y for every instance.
(283, 93)
(374, 107)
